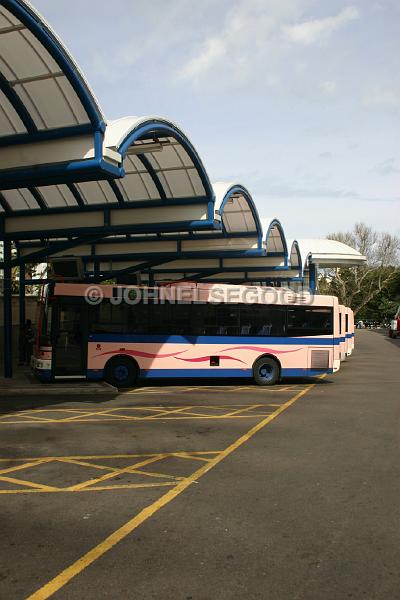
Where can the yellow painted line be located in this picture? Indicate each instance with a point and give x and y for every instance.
(46, 488)
(90, 557)
(190, 416)
(122, 486)
(89, 457)
(156, 475)
(26, 465)
(168, 412)
(191, 457)
(242, 410)
(90, 482)
(83, 463)
(128, 486)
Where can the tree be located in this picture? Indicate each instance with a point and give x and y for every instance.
(358, 286)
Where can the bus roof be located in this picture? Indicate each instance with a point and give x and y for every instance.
(193, 292)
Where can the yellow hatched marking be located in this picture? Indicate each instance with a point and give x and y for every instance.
(41, 486)
(242, 410)
(83, 463)
(99, 456)
(156, 475)
(169, 412)
(191, 457)
(100, 488)
(92, 484)
(26, 465)
(85, 484)
(60, 580)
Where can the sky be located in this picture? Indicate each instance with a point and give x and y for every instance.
(298, 100)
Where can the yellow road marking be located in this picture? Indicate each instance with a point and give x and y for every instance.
(242, 410)
(130, 469)
(89, 457)
(118, 486)
(26, 465)
(134, 468)
(169, 412)
(90, 557)
(30, 484)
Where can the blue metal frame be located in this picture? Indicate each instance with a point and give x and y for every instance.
(22, 276)
(4, 204)
(156, 180)
(19, 108)
(72, 172)
(108, 205)
(76, 194)
(35, 257)
(46, 134)
(313, 277)
(7, 309)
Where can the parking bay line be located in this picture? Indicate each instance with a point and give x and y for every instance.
(95, 553)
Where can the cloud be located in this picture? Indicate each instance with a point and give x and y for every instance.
(387, 167)
(312, 31)
(384, 97)
(249, 30)
(328, 87)
(256, 38)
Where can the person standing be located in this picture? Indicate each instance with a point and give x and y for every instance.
(26, 341)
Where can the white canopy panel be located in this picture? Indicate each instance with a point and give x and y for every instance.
(328, 253)
(39, 95)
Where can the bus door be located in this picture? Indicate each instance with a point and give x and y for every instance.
(69, 339)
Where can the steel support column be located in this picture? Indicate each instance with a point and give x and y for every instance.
(313, 269)
(22, 312)
(7, 308)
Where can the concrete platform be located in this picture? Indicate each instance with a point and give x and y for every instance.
(23, 384)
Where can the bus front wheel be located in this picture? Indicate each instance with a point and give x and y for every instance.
(266, 371)
(121, 372)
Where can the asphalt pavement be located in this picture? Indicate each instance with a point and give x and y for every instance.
(208, 492)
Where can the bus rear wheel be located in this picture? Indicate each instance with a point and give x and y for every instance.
(266, 371)
(121, 372)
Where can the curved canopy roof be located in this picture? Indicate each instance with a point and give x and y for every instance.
(51, 125)
(41, 86)
(328, 253)
(274, 237)
(236, 207)
(164, 180)
(132, 192)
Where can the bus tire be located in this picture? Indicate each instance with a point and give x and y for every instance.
(121, 371)
(266, 371)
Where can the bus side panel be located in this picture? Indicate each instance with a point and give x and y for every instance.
(212, 357)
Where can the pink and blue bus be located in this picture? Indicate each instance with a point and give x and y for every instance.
(342, 332)
(349, 330)
(122, 334)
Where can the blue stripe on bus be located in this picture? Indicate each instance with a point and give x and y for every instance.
(195, 373)
(204, 339)
(211, 373)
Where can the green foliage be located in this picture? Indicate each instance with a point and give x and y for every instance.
(371, 290)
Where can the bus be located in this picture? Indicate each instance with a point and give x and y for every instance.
(342, 332)
(349, 330)
(122, 334)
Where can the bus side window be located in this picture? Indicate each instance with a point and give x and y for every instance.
(311, 321)
(262, 320)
